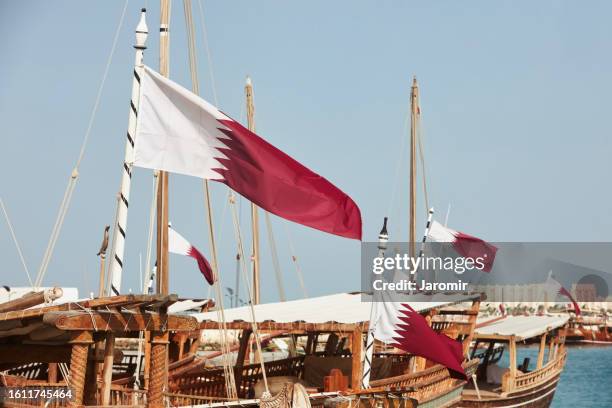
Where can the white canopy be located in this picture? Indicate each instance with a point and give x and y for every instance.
(522, 327)
(343, 308)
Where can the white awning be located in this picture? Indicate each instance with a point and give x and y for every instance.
(522, 327)
(343, 308)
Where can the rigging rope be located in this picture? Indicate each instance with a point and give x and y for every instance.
(75, 172)
(248, 288)
(422, 160)
(208, 54)
(10, 227)
(274, 253)
(294, 258)
(230, 383)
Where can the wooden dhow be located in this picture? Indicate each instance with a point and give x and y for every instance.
(516, 386)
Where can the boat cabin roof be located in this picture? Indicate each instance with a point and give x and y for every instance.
(318, 313)
(521, 327)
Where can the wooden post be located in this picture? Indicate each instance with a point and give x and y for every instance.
(541, 351)
(512, 350)
(78, 365)
(250, 110)
(91, 382)
(157, 372)
(472, 321)
(356, 367)
(107, 370)
(52, 373)
(162, 179)
(551, 347)
(242, 352)
(147, 358)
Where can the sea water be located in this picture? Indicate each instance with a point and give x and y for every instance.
(586, 380)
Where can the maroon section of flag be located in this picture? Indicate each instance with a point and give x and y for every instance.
(465, 245)
(415, 336)
(280, 185)
(177, 244)
(203, 264)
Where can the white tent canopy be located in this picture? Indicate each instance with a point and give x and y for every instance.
(343, 308)
(522, 327)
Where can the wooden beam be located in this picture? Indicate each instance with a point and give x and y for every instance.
(293, 327)
(28, 353)
(114, 301)
(118, 321)
(29, 299)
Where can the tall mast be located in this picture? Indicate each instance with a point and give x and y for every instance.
(162, 179)
(414, 115)
(119, 229)
(250, 109)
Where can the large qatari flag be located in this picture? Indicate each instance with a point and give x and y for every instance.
(179, 132)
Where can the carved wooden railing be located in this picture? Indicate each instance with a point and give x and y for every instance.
(527, 380)
(426, 384)
(127, 396)
(211, 383)
(180, 400)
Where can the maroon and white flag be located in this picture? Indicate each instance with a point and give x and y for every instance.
(177, 244)
(179, 132)
(466, 245)
(555, 288)
(399, 325)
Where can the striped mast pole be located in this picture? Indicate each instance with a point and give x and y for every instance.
(383, 238)
(119, 230)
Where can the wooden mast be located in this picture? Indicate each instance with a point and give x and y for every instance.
(414, 108)
(250, 109)
(162, 179)
(157, 342)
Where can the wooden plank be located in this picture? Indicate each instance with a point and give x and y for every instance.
(119, 321)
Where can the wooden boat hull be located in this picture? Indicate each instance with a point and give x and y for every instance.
(536, 397)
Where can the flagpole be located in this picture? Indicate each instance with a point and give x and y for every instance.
(425, 234)
(383, 238)
(162, 179)
(250, 110)
(120, 227)
(414, 100)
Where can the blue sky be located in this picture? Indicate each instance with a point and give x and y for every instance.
(515, 110)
